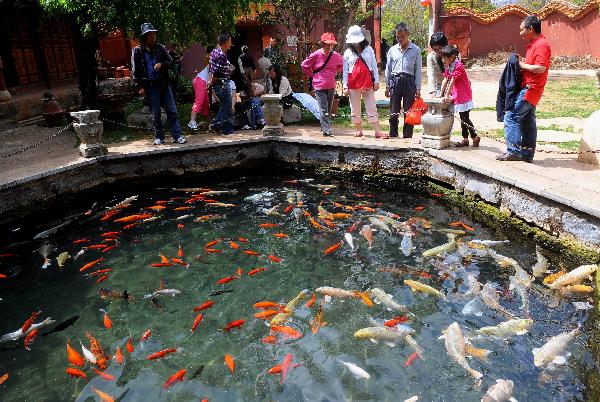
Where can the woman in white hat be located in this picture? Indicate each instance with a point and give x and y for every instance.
(361, 79)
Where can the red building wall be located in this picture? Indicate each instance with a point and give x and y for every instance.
(574, 38)
(501, 35)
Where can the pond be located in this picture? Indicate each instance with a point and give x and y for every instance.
(216, 249)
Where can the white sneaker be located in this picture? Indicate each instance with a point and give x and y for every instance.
(193, 125)
(246, 127)
(180, 140)
(158, 141)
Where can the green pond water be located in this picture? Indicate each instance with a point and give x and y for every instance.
(61, 293)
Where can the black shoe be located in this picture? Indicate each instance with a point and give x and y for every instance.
(327, 134)
(528, 160)
(507, 156)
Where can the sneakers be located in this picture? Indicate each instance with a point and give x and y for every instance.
(180, 140)
(193, 125)
(329, 134)
(507, 156)
(158, 141)
(246, 127)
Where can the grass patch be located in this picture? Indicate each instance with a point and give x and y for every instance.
(555, 127)
(569, 98)
(569, 145)
(487, 108)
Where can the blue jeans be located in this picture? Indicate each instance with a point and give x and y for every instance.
(520, 128)
(223, 121)
(159, 96)
(256, 113)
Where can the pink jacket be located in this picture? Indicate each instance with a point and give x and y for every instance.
(324, 79)
(461, 92)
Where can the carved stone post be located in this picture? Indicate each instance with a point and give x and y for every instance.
(89, 130)
(273, 112)
(4, 94)
(437, 124)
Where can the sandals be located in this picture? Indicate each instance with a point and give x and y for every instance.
(358, 134)
(382, 135)
(463, 143)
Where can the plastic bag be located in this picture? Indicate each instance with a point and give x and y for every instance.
(413, 116)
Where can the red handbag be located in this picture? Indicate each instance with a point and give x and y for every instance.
(413, 116)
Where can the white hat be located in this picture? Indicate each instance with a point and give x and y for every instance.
(354, 35)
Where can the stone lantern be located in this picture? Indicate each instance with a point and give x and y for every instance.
(437, 123)
(89, 129)
(273, 112)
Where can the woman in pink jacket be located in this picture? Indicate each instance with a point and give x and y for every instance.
(457, 83)
(322, 66)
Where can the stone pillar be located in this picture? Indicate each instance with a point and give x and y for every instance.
(89, 130)
(4, 94)
(590, 140)
(437, 124)
(273, 112)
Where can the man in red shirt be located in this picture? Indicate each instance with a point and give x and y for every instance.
(519, 123)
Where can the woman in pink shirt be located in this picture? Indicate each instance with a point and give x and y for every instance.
(322, 66)
(458, 85)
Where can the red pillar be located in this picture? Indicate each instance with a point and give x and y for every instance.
(377, 31)
(4, 94)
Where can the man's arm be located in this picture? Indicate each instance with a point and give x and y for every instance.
(533, 68)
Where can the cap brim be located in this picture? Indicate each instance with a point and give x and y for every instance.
(331, 42)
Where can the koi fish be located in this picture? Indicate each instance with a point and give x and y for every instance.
(419, 208)
(133, 218)
(80, 241)
(229, 362)
(255, 271)
(196, 322)
(274, 258)
(574, 276)
(234, 324)
(411, 359)
(395, 321)
(367, 233)
(97, 351)
(269, 339)
(104, 397)
(146, 335)
(178, 376)
(3, 378)
(129, 345)
(119, 355)
(91, 264)
(455, 346)
(179, 252)
(239, 272)
(161, 353)
(356, 371)
(333, 248)
(210, 244)
(226, 279)
(267, 305)
(233, 245)
(130, 226)
(29, 322)
(107, 322)
(212, 250)
(206, 305)
(417, 286)
(280, 235)
(288, 332)
(102, 279)
(552, 350)
(266, 314)
(110, 234)
(250, 252)
(180, 226)
(157, 208)
(268, 225)
(73, 372)
(74, 357)
(317, 322)
(289, 309)
(242, 240)
(285, 366)
(311, 301)
(105, 376)
(552, 277)
(30, 338)
(89, 356)
(288, 209)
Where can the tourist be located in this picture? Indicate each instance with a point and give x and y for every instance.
(277, 83)
(271, 49)
(246, 64)
(250, 99)
(519, 123)
(322, 66)
(456, 83)
(201, 102)
(219, 71)
(384, 50)
(264, 63)
(403, 78)
(361, 80)
(150, 64)
(435, 64)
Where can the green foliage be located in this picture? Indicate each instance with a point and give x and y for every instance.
(178, 21)
(410, 12)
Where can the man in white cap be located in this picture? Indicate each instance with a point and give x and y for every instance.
(322, 66)
(403, 78)
(150, 64)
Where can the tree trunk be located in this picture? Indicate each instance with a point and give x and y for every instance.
(87, 43)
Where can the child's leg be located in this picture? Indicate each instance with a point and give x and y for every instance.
(469, 124)
(464, 123)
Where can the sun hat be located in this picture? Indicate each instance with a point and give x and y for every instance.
(147, 28)
(354, 35)
(328, 37)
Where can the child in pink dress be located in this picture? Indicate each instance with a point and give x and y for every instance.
(457, 84)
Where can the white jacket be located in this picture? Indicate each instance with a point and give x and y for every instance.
(285, 88)
(350, 58)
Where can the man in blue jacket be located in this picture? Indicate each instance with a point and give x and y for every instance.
(150, 64)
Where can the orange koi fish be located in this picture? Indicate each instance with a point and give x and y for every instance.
(2, 276)
(178, 376)
(179, 251)
(280, 235)
(365, 298)
(79, 241)
(274, 258)
(129, 345)
(266, 314)
(211, 243)
(73, 372)
(268, 225)
(97, 351)
(182, 209)
(233, 245)
(226, 279)
(269, 339)
(255, 271)
(395, 321)
(341, 215)
(104, 397)
(162, 264)
(288, 332)
(212, 250)
(30, 338)
(73, 356)
(180, 226)
(29, 322)
(163, 258)
(229, 362)
(315, 224)
(206, 305)
(157, 207)
(250, 252)
(97, 246)
(107, 249)
(333, 248)
(285, 366)
(3, 378)
(133, 218)
(242, 240)
(239, 272)
(161, 353)
(267, 305)
(317, 322)
(234, 324)
(328, 223)
(179, 261)
(196, 322)
(107, 322)
(353, 227)
(110, 234)
(419, 208)
(311, 301)
(146, 335)
(105, 376)
(101, 279)
(119, 355)
(110, 239)
(130, 226)
(90, 264)
(109, 215)
(411, 359)
(288, 209)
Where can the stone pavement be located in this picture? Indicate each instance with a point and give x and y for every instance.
(555, 176)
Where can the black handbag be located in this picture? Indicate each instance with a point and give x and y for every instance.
(318, 70)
